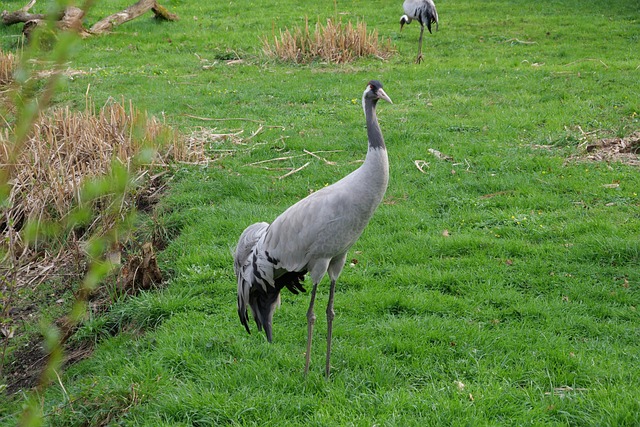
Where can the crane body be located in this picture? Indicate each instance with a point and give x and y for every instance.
(424, 11)
(312, 236)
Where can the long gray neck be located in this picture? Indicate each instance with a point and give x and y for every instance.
(376, 141)
(375, 169)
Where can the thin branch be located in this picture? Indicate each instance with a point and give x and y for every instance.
(229, 119)
(585, 60)
(294, 171)
(318, 157)
(518, 41)
(421, 164)
(277, 159)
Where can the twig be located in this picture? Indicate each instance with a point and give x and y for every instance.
(440, 155)
(277, 159)
(421, 164)
(294, 171)
(518, 41)
(228, 119)
(257, 131)
(267, 168)
(587, 59)
(28, 6)
(318, 157)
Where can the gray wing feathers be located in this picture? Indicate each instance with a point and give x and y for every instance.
(243, 265)
(246, 243)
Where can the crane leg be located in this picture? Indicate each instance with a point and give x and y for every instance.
(419, 58)
(330, 315)
(311, 319)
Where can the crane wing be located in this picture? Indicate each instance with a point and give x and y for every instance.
(260, 278)
(242, 263)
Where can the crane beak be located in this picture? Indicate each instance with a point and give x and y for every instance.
(382, 95)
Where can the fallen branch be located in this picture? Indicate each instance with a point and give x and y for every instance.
(22, 15)
(105, 25)
(71, 18)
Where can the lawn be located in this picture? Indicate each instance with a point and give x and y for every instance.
(497, 284)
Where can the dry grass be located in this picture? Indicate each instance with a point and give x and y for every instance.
(47, 175)
(596, 148)
(7, 67)
(333, 42)
(65, 150)
(625, 150)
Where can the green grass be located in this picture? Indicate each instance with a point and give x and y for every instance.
(531, 301)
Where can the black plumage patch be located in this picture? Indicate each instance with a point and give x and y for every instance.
(270, 259)
(292, 280)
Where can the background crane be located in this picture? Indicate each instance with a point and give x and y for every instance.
(424, 11)
(312, 236)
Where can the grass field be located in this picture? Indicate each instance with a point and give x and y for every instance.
(497, 286)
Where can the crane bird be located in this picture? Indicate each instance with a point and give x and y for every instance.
(424, 11)
(312, 236)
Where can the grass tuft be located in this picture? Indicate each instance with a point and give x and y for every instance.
(334, 42)
(66, 149)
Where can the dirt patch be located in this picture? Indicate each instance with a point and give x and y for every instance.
(615, 149)
(26, 370)
(25, 363)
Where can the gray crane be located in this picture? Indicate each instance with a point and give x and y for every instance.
(424, 11)
(312, 236)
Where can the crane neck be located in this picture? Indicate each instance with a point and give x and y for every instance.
(374, 134)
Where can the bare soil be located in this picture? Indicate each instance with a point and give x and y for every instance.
(615, 149)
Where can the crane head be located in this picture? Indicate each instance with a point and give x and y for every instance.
(374, 90)
(404, 19)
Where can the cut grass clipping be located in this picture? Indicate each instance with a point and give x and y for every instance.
(334, 43)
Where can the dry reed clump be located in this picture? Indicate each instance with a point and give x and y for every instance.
(333, 42)
(65, 150)
(7, 67)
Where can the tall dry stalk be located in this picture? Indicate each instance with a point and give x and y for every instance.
(7, 67)
(333, 42)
